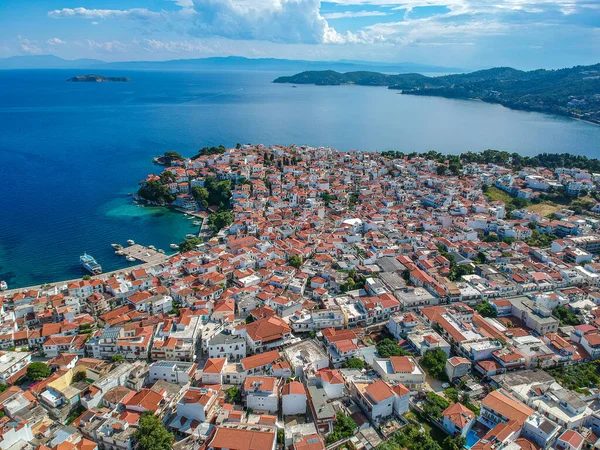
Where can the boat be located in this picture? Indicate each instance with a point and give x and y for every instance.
(197, 223)
(119, 253)
(152, 247)
(89, 263)
(131, 242)
(174, 246)
(190, 236)
(130, 258)
(160, 250)
(3, 285)
(116, 246)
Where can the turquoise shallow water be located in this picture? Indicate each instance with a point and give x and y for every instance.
(70, 152)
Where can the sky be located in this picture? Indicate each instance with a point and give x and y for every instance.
(525, 34)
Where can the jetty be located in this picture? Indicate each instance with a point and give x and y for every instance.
(144, 254)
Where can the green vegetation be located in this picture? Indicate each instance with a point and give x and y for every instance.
(75, 414)
(210, 151)
(454, 443)
(79, 376)
(233, 395)
(511, 203)
(354, 363)
(295, 261)
(538, 239)
(220, 220)
(116, 358)
(189, 244)
(37, 371)
(434, 361)
(565, 316)
(354, 281)
(435, 405)
(152, 435)
(453, 395)
(86, 277)
(410, 437)
(485, 309)
(155, 191)
(569, 92)
(92, 78)
(219, 192)
(578, 377)
(389, 347)
(344, 428)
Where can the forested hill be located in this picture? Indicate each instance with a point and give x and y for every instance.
(573, 92)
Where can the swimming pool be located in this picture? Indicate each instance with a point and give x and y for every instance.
(471, 439)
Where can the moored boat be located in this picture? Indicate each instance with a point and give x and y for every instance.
(130, 259)
(130, 241)
(174, 246)
(90, 264)
(3, 285)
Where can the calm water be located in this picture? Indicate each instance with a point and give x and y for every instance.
(70, 152)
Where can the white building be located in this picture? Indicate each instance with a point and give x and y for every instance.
(293, 398)
(262, 393)
(173, 371)
(400, 369)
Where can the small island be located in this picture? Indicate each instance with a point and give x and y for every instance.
(91, 78)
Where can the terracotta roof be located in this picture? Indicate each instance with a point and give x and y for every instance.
(242, 439)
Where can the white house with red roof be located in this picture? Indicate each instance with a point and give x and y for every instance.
(570, 440)
(293, 398)
(262, 393)
(457, 419)
(400, 369)
(379, 399)
(213, 371)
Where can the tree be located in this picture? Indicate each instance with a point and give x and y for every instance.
(295, 261)
(116, 358)
(410, 437)
(441, 169)
(220, 220)
(250, 319)
(485, 309)
(152, 435)
(434, 361)
(79, 376)
(189, 244)
(201, 195)
(354, 363)
(435, 405)
(565, 316)
(157, 192)
(86, 277)
(389, 347)
(344, 428)
(233, 395)
(37, 371)
(454, 443)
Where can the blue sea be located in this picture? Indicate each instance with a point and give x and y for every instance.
(70, 152)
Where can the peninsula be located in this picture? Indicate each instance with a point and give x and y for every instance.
(572, 92)
(91, 78)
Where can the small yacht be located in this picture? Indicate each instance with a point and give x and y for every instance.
(197, 223)
(160, 250)
(174, 246)
(131, 242)
(119, 253)
(190, 236)
(130, 259)
(152, 247)
(3, 285)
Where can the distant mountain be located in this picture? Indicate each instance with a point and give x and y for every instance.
(572, 92)
(218, 63)
(46, 62)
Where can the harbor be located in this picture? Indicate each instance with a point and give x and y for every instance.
(145, 255)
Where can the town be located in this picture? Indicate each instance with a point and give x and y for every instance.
(334, 299)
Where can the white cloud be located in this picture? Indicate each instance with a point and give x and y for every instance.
(107, 46)
(99, 14)
(55, 41)
(184, 46)
(352, 14)
(29, 47)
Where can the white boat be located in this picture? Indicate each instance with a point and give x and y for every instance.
(152, 247)
(3, 285)
(130, 259)
(115, 245)
(131, 242)
(197, 223)
(89, 263)
(190, 236)
(119, 253)
(174, 246)
(160, 250)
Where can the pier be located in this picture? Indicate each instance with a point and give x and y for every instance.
(144, 254)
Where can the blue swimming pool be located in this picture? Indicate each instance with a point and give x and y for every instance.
(471, 439)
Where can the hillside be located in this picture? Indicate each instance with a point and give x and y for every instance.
(572, 92)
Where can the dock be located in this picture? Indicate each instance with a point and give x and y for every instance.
(144, 254)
